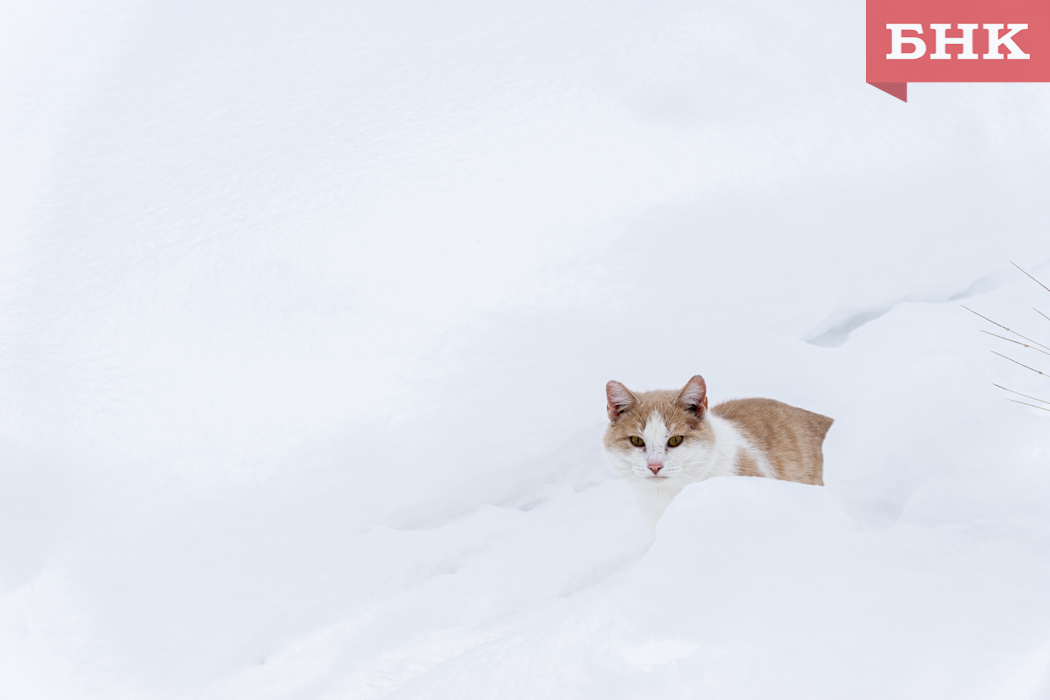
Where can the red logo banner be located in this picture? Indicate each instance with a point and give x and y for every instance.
(956, 41)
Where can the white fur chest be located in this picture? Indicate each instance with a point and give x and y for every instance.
(688, 464)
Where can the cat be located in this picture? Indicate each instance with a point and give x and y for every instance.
(660, 441)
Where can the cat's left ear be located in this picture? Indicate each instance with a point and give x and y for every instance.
(694, 395)
(619, 398)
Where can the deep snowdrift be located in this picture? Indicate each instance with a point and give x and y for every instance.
(306, 314)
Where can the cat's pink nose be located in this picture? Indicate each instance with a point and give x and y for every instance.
(655, 468)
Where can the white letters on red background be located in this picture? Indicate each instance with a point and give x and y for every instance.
(918, 46)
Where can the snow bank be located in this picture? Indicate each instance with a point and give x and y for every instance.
(305, 315)
(757, 588)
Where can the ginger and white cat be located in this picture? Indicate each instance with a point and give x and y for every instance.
(660, 441)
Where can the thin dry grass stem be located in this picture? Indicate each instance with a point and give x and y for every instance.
(1017, 342)
(1041, 408)
(1030, 277)
(1035, 345)
(1005, 328)
(1020, 394)
(1017, 363)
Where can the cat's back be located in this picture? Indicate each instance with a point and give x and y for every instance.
(790, 438)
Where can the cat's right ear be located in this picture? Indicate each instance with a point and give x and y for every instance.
(619, 399)
(694, 395)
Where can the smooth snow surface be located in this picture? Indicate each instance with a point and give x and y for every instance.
(306, 312)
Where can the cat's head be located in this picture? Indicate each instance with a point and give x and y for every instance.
(659, 437)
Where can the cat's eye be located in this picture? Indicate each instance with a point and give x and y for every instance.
(637, 441)
(675, 441)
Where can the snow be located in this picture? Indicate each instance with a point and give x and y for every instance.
(306, 314)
